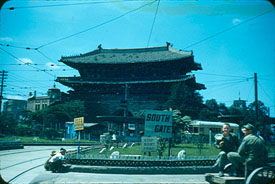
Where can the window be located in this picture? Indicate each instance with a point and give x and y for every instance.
(44, 106)
(37, 107)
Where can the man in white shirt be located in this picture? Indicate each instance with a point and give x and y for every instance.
(47, 164)
(57, 161)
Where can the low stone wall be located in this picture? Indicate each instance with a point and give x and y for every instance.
(144, 164)
(144, 170)
(7, 145)
(141, 163)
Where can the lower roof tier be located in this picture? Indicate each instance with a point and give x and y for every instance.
(137, 86)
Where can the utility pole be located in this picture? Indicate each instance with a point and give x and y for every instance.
(256, 97)
(125, 125)
(3, 75)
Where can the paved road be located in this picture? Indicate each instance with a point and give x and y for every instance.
(118, 178)
(14, 162)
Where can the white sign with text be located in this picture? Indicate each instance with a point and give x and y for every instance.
(149, 144)
(158, 123)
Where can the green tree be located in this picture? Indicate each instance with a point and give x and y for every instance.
(55, 116)
(223, 109)
(250, 116)
(186, 99)
(180, 124)
(7, 124)
(211, 111)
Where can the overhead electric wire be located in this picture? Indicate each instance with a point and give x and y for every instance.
(153, 23)
(22, 91)
(221, 85)
(228, 29)
(224, 80)
(28, 48)
(18, 47)
(106, 22)
(23, 81)
(44, 55)
(226, 85)
(262, 88)
(17, 94)
(30, 64)
(23, 61)
(250, 91)
(48, 70)
(220, 75)
(96, 26)
(61, 5)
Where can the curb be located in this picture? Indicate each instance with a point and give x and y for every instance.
(143, 170)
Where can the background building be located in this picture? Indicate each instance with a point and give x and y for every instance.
(239, 103)
(38, 103)
(92, 131)
(15, 107)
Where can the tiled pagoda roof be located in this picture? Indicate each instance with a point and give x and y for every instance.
(136, 55)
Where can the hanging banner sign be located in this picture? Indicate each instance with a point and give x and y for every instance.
(158, 123)
(79, 123)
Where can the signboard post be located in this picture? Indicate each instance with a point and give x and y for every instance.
(159, 124)
(78, 126)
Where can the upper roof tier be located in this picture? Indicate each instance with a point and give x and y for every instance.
(122, 56)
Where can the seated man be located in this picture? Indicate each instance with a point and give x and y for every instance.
(57, 161)
(228, 142)
(252, 152)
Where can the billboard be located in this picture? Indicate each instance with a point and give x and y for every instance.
(158, 123)
(78, 123)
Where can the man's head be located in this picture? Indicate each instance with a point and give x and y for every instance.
(247, 129)
(53, 153)
(226, 128)
(62, 151)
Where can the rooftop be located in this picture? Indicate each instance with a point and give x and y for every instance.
(135, 55)
(211, 123)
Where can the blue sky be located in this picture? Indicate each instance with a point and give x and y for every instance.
(232, 39)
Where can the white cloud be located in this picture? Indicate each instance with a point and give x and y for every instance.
(52, 66)
(236, 21)
(26, 60)
(6, 39)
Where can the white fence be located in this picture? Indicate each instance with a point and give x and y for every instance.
(141, 157)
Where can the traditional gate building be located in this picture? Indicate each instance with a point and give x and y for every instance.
(131, 79)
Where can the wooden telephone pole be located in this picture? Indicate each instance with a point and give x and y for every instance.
(256, 97)
(3, 75)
